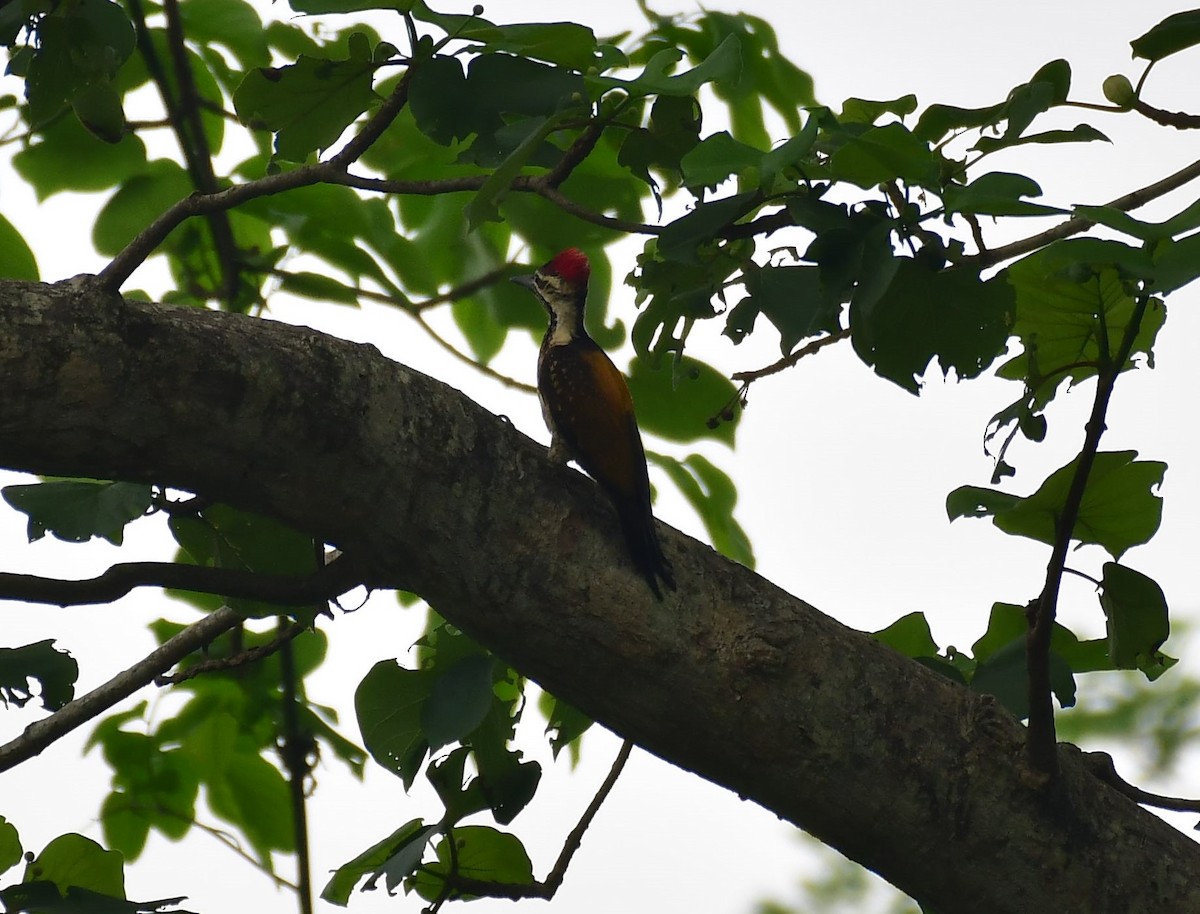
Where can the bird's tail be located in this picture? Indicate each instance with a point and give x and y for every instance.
(637, 523)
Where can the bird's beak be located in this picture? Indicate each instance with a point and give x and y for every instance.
(525, 280)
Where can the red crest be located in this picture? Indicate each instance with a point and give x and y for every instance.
(572, 265)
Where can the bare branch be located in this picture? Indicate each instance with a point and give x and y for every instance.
(241, 658)
(282, 590)
(789, 360)
(45, 732)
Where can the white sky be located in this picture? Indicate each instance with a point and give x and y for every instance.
(842, 479)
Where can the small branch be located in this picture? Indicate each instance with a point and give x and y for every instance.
(281, 590)
(1102, 766)
(43, 733)
(789, 360)
(1041, 744)
(1180, 120)
(464, 885)
(194, 142)
(578, 151)
(296, 750)
(241, 658)
(134, 253)
(1078, 224)
(511, 383)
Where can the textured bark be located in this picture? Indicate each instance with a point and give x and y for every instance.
(917, 778)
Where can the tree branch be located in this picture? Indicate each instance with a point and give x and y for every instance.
(438, 496)
(282, 590)
(43, 733)
(1042, 744)
(457, 884)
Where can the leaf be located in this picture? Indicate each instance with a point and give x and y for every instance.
(73, 861)
(997, 194)
(715, 159)
(389, 702)
(951, 315)
(1005, 675)
(233, 23)
(16, 259)
(250, 793)
(55, 671)
(910, 635)
(397, 855)
(482, 853)
(793, 298)
(10, 846)
(1177, 32)
(458, 701)
(76, 511)
(722, 65)
(1138, 619)
(307, 104)
(713, 495)
(484, 206)
(864, 111)
(678, 403)
(67, 157)
(318, 287)
(565, 723)
(137, 203)
(1118, 510)
(679, 239)
(883, 154)
(1080, 133)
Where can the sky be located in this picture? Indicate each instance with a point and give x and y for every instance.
(842, 479)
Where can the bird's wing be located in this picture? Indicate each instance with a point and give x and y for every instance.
(592, 411)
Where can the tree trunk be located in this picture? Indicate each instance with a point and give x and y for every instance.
(911, 775)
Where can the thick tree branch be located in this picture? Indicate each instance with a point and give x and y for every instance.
(917, 778)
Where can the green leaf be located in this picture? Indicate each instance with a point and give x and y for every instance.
(76, 511)
(715, 159)
(723, 65)
(1177, 32)
(73, 861)
(389, 704)
(937, 121)
(140, 201)
(997, 194)
(318, 287)
(713, 495)
(461, 795)
(10, 846)
(67, 157)
(864, 111)
(1062, 291)
(1118, 510)
(679, 239)
(98, 107)
(565, 723)
(883, 154)
(397, 856)
(16, 259)
(1138, 619)
(1080, 133)
(566, 43)
(677, 404)
(910, 635)
(951, 315)
(56, 672)
(795, 299)
(1176, 263)
(482, 853)
(458, 701)
(233, 23)
(307, 104)
(1005, 675)
(484, 206)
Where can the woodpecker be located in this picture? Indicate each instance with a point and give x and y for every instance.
(588, 409)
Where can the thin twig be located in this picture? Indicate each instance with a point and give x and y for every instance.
(1102, 766)
(464, 885)
(240, 659)
(296, 751)
(487, 370)
(1077, 224)
(43, 733)
(791, 359)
